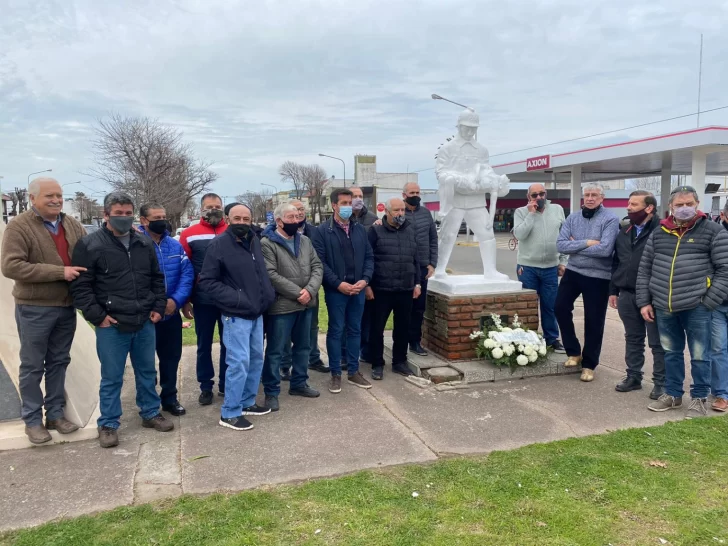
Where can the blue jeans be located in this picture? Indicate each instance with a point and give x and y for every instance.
(113, 347)
(366, 324)
(206, 317)
(673, 328)
(284, 330)
(345, 312)
(315, 354)
(719, 352)
(244, 359)
(545, 281)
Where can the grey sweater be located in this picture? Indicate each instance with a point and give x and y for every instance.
(590, 261)
(537, 234)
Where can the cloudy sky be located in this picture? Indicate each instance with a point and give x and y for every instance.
(253, 84)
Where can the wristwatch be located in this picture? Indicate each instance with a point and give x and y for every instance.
(418, 286)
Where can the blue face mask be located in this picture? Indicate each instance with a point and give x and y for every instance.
(345, 212)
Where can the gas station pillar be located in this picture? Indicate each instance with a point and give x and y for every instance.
(665, 183)
(698, 173)
(575, 202)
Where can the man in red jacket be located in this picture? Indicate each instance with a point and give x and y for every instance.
(195, 240)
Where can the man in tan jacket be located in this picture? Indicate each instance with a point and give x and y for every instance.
(36, 254)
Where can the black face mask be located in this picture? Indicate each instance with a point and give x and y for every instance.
(158, 226)
(413, 201)
(240, 230)
(588, 213)
(290, 229)
(540, 203)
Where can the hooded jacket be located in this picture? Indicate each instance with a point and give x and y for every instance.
(195, 240)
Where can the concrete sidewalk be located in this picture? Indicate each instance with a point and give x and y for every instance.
(393, 423)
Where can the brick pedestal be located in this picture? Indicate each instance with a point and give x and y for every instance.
(449, 320)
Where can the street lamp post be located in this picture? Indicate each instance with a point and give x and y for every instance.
(438, 97)
(342, 162)
(70, 184)
(31, 174)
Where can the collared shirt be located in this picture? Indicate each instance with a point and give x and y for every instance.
(638, 229)
(50, 226)
(342, 225)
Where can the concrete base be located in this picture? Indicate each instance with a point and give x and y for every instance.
(471, 285)
(12, 434)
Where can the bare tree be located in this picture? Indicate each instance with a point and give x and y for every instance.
(19, 198)
(295, 173)
(85, 207)
(654, 183)
(149, 161)
(316, 182)
(258, 202)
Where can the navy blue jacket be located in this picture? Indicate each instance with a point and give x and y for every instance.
(235, 278)
(328, 248)
(179, 274)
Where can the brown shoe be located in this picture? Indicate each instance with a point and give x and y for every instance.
(335, 384)
(720, 404)
(358, 380)
(38, 434)
(108, 437)
(572, 361)
(62, 425)
(158, 422)
(587, 375)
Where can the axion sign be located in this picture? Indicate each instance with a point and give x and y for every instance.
(538, 163)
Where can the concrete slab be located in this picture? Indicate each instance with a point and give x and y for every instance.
(442, 374)
(9, 399)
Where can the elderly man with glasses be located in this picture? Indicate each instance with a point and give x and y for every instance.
(540, 264)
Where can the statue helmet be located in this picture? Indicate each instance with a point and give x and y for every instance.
(469, 118)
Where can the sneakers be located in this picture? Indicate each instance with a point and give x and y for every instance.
(205, 398)
(305, 391)
(587, 375)
(108, 437)
(572, 362)
(38, 434)
(335, 384)
(175, 409)
(62, 425)
(698, 408)
(358, 380)
(657, 391)
(629, 384)
(285, 374)
(378, 373)
(271, 402)
(319, 366)
(235, 423)
(158, 423)
(557, 347)
(665, 402)
(402, 369)
(720, 404)
(255, 409)
(417, 349)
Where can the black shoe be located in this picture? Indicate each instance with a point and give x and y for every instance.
(418, 349)
(285, 374)
(175, 409)
(378, 373)
(236, 423)
(271, 402)
(629, 384)
(319, 366)
(255, 409)
(305, 391)
(205, 398)
(557, 347)
(657, 391)
(402, 369)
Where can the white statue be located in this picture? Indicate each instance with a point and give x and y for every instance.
(465, 177)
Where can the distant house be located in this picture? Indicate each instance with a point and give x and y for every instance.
(7, 205)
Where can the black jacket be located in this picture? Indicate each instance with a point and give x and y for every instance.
(329, 250)
(628, 250)
(127, 285)
(365, 218)
(396, 267)
(426, 234)
(234, 277)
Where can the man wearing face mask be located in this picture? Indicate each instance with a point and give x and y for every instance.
(587, 237)
(425, 230)
(179, 276)
(628, 251)
(395, 284)
(360, 213)
(195, 240)
(539, 263)
(682, 278)
(235, 279)
(296, 273)
(122, 294)
(346, 255)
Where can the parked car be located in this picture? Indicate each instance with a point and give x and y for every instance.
(90, 228)
(178, 233)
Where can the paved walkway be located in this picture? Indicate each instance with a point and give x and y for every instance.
(393, 423)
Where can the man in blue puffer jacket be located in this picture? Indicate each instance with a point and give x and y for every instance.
(179, 278)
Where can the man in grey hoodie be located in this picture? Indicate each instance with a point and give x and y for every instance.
(588, 238)
(536, 226)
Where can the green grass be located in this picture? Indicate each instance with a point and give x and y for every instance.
(588, 491)
(189, 337)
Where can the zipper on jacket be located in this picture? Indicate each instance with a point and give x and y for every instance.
(161, 262)
(672, 271)
(133, 279)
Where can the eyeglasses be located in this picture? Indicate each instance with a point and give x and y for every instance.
(683, 189)
(539, 194)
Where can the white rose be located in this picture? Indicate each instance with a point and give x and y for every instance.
(533, 357)
(497, 353)
(522, 360)
(489, 344)
(508, 350)
(542, 351)
(521, 348)
(528, 350)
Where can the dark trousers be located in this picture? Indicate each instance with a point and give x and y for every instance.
(284, 331)
(384, 303)
(315, 353)
(635, 328)
(206, 317)
(545, 281)
(595, 294)
(418, 310)
(46, 335)
(169, 352)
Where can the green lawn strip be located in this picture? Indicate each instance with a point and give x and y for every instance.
(595, 490)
